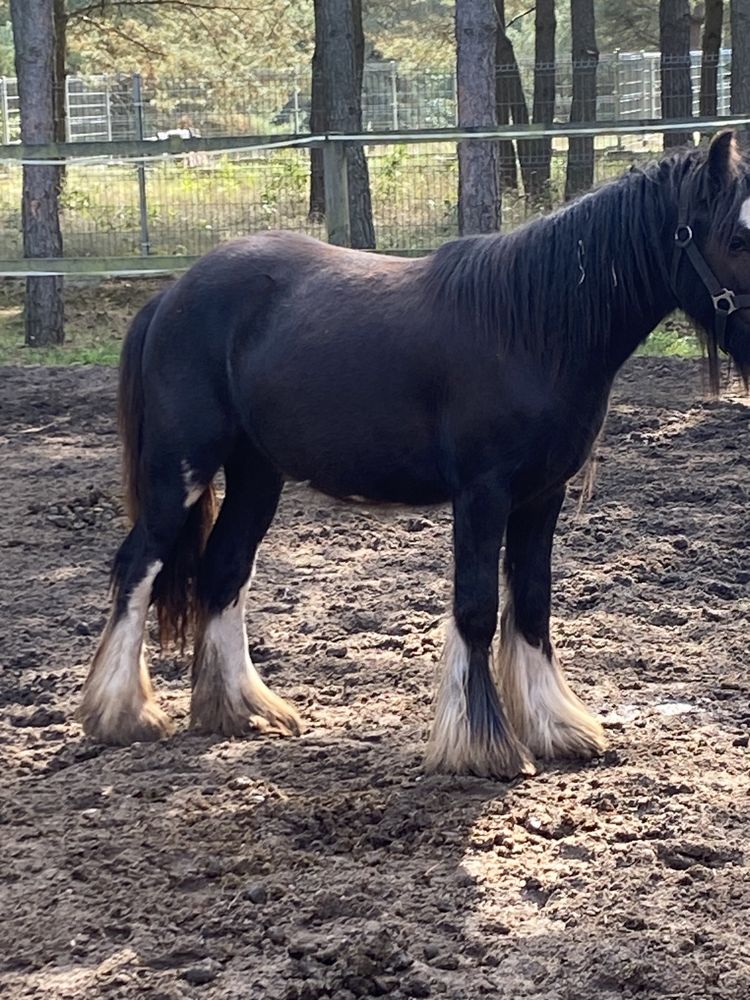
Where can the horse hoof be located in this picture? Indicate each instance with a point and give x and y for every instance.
(268, 714)
(147, 725)
(506, 760)
(583, 740)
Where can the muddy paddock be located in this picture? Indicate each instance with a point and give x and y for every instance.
(330, 865)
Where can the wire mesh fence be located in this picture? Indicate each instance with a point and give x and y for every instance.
(188, 204)
(267, 101)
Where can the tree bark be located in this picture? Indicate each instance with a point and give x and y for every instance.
(544, 96)
(478, 193)
(676, 85)
(511, 102)
(710, 52)
(505, 65)
(360, 200)
(61, 25)
(739, 13)
(580, 173)
(317, 206)
(34, 43)
(338, 64)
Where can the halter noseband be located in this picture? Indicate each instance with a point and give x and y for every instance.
(725, 300)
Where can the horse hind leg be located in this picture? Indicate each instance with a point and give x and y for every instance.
(117, 704)
(470, 731)
(229, 696)
(550, 719)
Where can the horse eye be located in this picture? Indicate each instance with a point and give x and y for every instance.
(737, 244)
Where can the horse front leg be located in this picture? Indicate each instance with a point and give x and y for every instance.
(470, 731)
(548, 717)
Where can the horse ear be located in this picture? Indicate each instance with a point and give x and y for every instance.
(723, 159)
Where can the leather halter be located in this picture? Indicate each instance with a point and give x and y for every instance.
(725, 301)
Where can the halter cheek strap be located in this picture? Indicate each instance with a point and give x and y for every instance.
(725, 301)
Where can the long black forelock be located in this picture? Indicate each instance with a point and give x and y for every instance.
(555, 284)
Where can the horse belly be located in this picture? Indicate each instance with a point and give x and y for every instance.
(385, 452)
(345, 460)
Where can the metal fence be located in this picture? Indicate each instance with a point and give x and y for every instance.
(105, 107)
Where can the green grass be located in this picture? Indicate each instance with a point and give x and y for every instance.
(672, 339)
(82, 347)
(96, 317)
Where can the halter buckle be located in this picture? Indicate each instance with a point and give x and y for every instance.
(725, 302)
(683, 235)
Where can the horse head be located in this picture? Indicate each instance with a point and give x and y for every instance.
(711, 249)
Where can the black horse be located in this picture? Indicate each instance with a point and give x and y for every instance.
(477, 375)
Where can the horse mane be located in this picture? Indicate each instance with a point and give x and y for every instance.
(558, 283)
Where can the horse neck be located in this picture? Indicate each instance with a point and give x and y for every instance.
(632, 273)
(633, 323)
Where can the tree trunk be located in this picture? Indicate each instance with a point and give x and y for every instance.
(739, 13)
(544, 96)
(61, 25)
(478, 194)
(34, 42)
(676, 85)
(506, 153)
(510, 98)
(358, 176)
(580, 172)
(317, 207)
(338, 64)
(710, 57)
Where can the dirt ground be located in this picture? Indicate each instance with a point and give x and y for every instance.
(330, 865)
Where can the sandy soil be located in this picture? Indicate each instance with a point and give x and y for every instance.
(330, 866)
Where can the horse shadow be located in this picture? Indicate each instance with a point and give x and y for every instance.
(323, 866)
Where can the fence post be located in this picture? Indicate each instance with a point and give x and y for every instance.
(6, 123)
(337, 193)
(295, 94)
(394, 95)
(141, 167)
(66, 104)
(655, 99)
(108, 107)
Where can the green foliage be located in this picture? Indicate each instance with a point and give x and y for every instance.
(7, 63)
(207, 40)
(674, 339)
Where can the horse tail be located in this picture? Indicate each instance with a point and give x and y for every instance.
(174, 588)
(175, 595)
(130, 404)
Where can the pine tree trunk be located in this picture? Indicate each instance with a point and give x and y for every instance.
(710, 57)
(61, 26)
(34, 42)
(478, 193)
(739, 13)
(676, 85)
(544, 97)
(506, 152)
(358, 176)
(338, 64)
(580, 172)
(317, 208)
